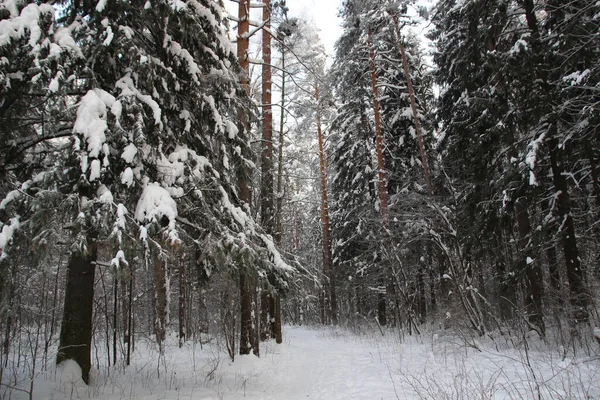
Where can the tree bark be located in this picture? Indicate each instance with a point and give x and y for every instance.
(279, 196)
(182, 303)
(383, 194)
(76, 329)
(267, 196)
(248, 337)
(328, 271)
(160, 297)
(579, 298)
(413, 106)
(534, 283)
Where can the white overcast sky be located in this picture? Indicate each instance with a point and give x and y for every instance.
(322, 12)
(325, 15)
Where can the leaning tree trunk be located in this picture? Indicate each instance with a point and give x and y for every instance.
(413, 106)
(76, 329)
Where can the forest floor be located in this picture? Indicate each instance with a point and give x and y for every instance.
(326, 364)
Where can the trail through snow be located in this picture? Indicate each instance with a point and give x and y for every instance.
(316, 364)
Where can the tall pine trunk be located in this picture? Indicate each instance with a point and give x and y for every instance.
(268, 309)
(248, 340)
(383, 194)
(330, 300)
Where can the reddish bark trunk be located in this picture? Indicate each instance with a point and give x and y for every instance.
(327, 256)
(383, 194)
(413, 106)
(248, 339)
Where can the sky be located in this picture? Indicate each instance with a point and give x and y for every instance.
(322, 12)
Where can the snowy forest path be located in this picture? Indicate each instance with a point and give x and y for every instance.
(318, 364)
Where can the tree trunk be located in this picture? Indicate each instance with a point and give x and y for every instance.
(579, 298)
(554, 274)
(76, 328)
(383, 194)
(279, 196)
(413, 106)
(533, 283)
(125, 276)
(160, 297)
(421, 302)
(115, 313)
(129, 332)
(277, 323)
(330, 297)
(182, 303)
(248, 339)
(267, 198)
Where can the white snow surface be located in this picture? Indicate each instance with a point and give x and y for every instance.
(332, 364)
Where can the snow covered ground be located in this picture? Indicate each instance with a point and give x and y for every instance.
(336, 364)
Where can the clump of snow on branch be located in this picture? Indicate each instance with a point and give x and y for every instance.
(91, 124)
(154, 204)
(531, 157)
(7, 234)
(28, 21)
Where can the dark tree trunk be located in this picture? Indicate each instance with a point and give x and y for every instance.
(381, 307)
(579, 298)
(277, 323)
(182, 303)
(248, 339)
(124, 302)
(534, 283)
(554, 273)
(507, 296)
(421, 302)
(160, 298)
(265, 315)
(115, 313)
(129, 332)
(76, 328)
